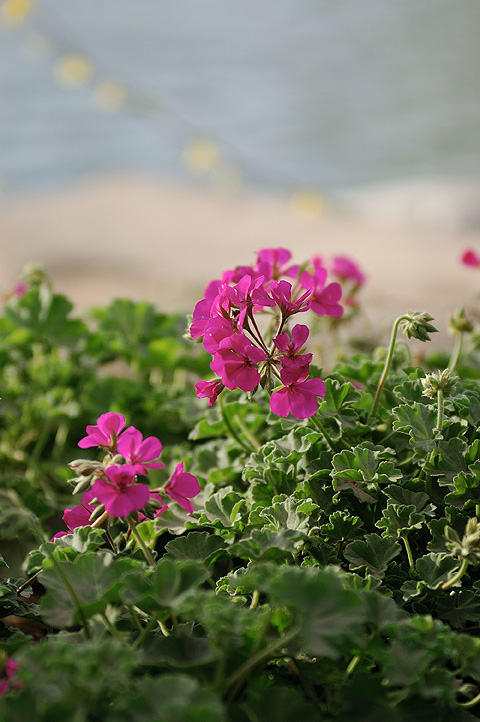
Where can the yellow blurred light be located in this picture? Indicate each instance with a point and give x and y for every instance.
(15, 11)
(110, 96)
(308, 203)
(73, 70)
(201, 156)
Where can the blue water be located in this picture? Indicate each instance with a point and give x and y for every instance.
(328, 94)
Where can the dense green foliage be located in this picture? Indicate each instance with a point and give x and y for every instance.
(327, 573)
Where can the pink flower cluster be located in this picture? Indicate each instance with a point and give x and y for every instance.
(227, 319)
(7, 681)
(116, 485)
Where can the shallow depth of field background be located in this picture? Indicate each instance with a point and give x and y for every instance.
(143, 132)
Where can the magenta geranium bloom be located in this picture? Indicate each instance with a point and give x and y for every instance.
(299, 396)
(235, 362)
(324, 299)
(77, 516)
(182, 487)
(282, 295)
(470, 258)
(291, 347)
(347, 270)
(209, 390)
(105, 433)
(247, 295)
(216, 329)
(120, 494)
(140, 452)
(271, 262)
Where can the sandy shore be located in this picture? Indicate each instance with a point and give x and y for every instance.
(141, 238)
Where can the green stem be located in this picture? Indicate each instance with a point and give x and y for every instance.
(457, 350)
(241, 671)
(321, 429)
(255, 599)
(148, 628)
(471, 703)
(388, 361)
(247, 433)
(409, 552)
(140, 542)
(111, 627)
(232, 433)
(353, 663)
(440, 403)
(38, 533)
(477, 510)
(457, 576)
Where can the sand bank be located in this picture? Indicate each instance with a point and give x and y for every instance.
(142, 238)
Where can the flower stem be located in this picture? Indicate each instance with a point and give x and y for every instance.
(140, 542)
(457, 576)
(388, 361)
(409, 552)
(241, 671)
(457, 350)
(232, 433)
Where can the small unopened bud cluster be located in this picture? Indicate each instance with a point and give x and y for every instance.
(459, 322)
(439, 381)
(468, 547)
(417, 325)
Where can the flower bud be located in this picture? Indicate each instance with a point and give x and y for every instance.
(83, 484)
(460, 323)
(435, 382)
(418, 325)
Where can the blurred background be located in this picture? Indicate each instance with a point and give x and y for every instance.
(279, 119)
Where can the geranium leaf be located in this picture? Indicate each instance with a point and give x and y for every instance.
(372, 554)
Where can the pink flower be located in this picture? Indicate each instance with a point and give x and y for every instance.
(120, 494)
(182, 487)
(470, 258)
(19, 289)
(138, 451)
(346, 270)
(324, 299)
(299, 395)
(78, 516)
(291, 347)
(282, 295)
(105, 432)
(246, 295)
(271, 262)
(235, 363)
(216, 329)
(209, 390)
(9, 671)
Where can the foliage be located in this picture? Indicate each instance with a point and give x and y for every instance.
(329, 570)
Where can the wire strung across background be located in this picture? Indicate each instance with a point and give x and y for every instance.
(202, 155)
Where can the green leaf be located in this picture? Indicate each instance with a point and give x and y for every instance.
(96, 579)
(289, 513)
(449, 460)
(167, 586)
(419, 422)
(325, 612)
(361, 470)
(267, 544)
(196, 546)
(224, 508)
(398, 518)
(459, 608)
(436, 568)
(374, 554)
(342, 526)
(467, 488)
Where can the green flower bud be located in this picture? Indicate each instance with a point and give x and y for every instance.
(435, 382)
(460, 323)
(418, 325)
(469, 546)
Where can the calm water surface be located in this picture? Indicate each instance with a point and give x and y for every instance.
(331, 94)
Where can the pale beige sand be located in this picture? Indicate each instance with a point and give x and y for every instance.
(141, 238)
